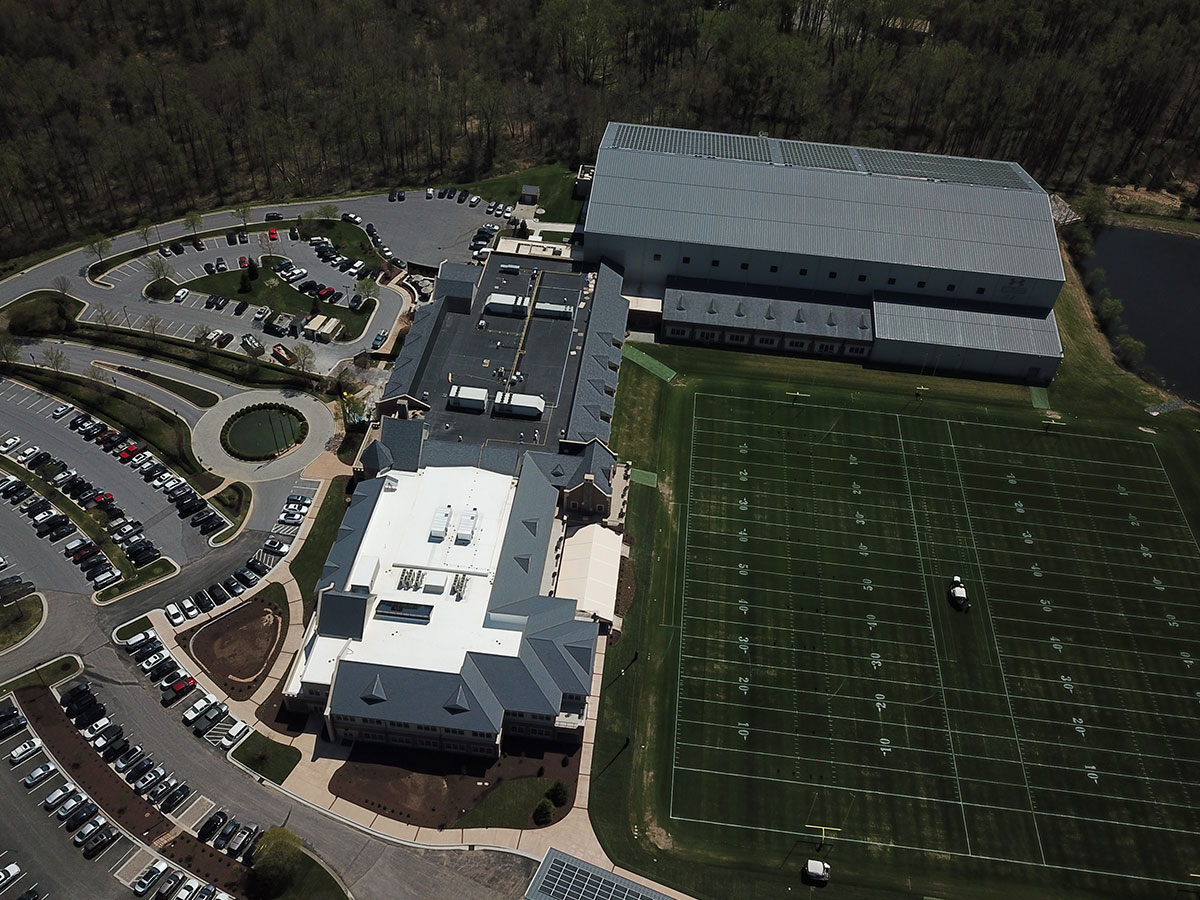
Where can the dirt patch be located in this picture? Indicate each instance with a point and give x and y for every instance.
(83, 766)
(660, 838)
(1129, 198)
(432, 790)
(238, 649)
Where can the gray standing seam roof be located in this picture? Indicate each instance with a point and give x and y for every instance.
(592, 408)
(981, 328)
(810, 314)
(883, 206)
(350, 534)
(418, 344)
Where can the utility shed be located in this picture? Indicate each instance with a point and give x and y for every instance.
(530, 195)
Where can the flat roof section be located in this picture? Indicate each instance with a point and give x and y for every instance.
(980, 328)
(464, 354)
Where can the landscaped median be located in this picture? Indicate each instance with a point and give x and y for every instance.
(18, 620)
(52, 672)
(233, 502)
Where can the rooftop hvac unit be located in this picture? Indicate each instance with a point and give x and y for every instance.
(466, 526)
(441, 524)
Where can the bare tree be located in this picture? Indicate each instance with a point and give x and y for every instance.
(153, 323)
(192, 220)
(62, 284)
(96, 373)
(327, 211)
(54, 358)
(105, 315)
(10, 352)
(158, 268)
(305, 358)
(242, 213)
(143, 230)
(368, 287)
(199, 333)
(99, 245)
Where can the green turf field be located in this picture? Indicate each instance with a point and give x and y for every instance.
(795, 660)
(824, 678)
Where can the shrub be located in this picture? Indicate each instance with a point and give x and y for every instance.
(558, 794)
(544, 813)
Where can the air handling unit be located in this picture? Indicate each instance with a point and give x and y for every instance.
(471, 399)
(520, 406)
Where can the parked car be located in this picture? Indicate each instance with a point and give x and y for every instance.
(193, 712)
(276, 547)
(234, 586)
(258, 567)
(189, 608)
(245, 576)
(12, 726)
(181, 295)
(218, 593)
(172, 800)
(212, 825)
(129, 757)
(22, 752)
(99, 842)
(40, 774)
(149, 875)
(221, 841)
(88, 830)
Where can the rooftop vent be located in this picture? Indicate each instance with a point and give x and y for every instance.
(374, 694)
(466, 526)
(441, 524)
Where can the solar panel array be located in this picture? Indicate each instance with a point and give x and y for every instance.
(692, 143)
(985, 172)
(564, 880)
(817, 156)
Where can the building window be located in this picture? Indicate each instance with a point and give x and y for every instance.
(920, 284)
(715, 263)
(950, 289)
(774, 268)
(678, 332)
(979, 290)
(804, 272)
(658, 257)
(862, 277)
(833, 275)
(891, 281)
(745, 266)
(686, 260)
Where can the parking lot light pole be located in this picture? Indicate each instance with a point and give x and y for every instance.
(126, 309)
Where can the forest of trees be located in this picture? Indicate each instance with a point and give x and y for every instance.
(123, 111)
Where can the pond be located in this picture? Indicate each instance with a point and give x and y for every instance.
(259, 433)
(1157, 277)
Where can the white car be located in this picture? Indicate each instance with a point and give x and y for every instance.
(188, 891)
(297, 508)
(143, 784)
(279, 548)
(291, 518)
(98, 726)
(60, 411)
(428, 193)
(146, 880)
(171, 483)
(161, 480)
(174, 614)
(197, 709)
(88, 830)
(181, 295)
(58, 796)
(153, 660)
(141, 636)
(28, 453)
(139, 459)
(24, 751)
(63, 477)
(73, 803)
(9, 874)
(9, 444)
(189, 608)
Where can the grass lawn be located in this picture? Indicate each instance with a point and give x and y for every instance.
(791, 658)
(129, 629)
(557, 237)
(168, 436)
(139, 579)
(1170, 224)
(233, 502)
(41, 313)
(17, 620)
(307, 564)
(269, 290)
(509, 805)
(348, 450)
(271, 760)
(312, 882)
(557, 185)
(50, 673)
(196, 396)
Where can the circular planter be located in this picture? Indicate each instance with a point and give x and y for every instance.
(263, 431)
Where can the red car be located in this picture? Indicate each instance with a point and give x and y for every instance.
(273, 234)
(131, 451)
(325, 294)
(198, 244)
(84, 552)
(104, 435)
(243, 262)
(179, 688)
(223, 340)
(103, 498)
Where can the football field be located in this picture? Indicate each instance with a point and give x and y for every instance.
(824, 678)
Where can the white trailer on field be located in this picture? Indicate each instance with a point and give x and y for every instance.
(816, 872)
(958, 594)
(472, 399)
(521, 406)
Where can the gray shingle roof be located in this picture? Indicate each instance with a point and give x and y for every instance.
(404, 440)
(806, 313)
(418, 344)
(527, 540)
(351, 532)
(412, 695)
(852, 203)
(456, 280)
(982, 328)
(592, 408)
(566, 471)
(376, 458)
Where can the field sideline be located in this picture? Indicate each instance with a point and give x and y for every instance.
(798, 662)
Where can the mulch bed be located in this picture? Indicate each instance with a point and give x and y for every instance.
(238, 644)
(430, 789)
(84, 767)
(272, 714)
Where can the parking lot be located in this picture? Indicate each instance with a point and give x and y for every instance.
(36, 840)
(29, 418)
